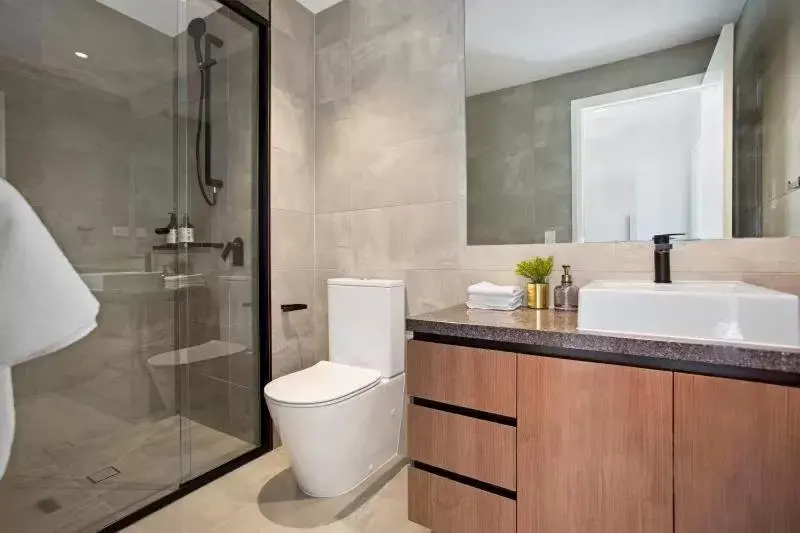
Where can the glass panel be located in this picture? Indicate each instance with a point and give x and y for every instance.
(218, 132)
(89, 131)
(99, 104)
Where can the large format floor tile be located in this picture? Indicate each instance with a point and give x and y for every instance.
(263, 497)
(48, 491)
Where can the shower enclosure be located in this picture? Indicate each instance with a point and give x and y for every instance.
(113, 115)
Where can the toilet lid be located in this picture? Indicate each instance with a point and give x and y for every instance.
(321, 383)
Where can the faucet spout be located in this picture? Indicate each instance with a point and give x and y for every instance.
(661, 263)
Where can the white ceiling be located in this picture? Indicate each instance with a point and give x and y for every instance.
(315, 6)
(518, 41)
(170, 17)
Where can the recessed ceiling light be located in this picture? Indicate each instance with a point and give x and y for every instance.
(82, 55)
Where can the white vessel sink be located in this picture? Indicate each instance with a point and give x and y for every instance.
(721, 311)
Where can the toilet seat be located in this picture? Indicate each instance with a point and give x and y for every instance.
(325, 383)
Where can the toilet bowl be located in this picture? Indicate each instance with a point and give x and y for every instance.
(338, 423)
(340, 420)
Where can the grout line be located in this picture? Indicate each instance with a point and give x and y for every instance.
(393, 206)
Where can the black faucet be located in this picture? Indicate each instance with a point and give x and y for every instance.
(661, 256)
(237, 247)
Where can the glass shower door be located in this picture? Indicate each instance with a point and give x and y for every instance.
(99, 111)
(88, 90)
(217, 194)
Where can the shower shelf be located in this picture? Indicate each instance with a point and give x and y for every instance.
(188, 246)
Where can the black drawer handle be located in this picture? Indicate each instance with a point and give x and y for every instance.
(288, 308)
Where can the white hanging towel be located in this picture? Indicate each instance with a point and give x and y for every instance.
(44, 304)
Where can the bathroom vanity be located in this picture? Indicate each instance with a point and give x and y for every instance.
(519, 422)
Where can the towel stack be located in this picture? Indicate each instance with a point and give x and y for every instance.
(487, 295)
(183, 281)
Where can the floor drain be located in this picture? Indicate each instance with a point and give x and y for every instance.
(48, 505)
(102, 475)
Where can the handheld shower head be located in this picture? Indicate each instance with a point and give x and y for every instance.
(196, 30)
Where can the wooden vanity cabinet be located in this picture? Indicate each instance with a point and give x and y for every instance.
(737, 456)
(462, 438)
(503, 442)
(594, 444)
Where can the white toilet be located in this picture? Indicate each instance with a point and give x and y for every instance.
(340, 420)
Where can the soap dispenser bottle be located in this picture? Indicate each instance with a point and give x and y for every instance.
(565, 296)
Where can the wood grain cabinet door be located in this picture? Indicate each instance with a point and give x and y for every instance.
(594, 448)
(737, 456)
(446, 506)
(478, 449)
(485, 380)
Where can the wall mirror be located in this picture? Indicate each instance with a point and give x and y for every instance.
(614, 121)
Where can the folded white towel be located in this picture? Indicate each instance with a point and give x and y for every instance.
(494, 300)
(490, 289)
(510, 306)
(45, 306)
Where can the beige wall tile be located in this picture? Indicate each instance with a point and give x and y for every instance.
(292, 123)
(428, 290)
(293, 356)
(412, 236)
(738, 255)
(290, 17)
(292, 184)
(500, 257)
(291, 181)
(332, 25)
(292, 65)
(292, 333)
(421, 18)
(292, 240)
(588, 256)
(334, 167)
(333, 241)
(417, 171)
(390, 109)
(333, 72)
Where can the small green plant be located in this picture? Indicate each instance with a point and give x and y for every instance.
(537, 270)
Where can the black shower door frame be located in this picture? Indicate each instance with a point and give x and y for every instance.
(262, 317)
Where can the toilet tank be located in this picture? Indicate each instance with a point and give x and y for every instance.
(366, 323)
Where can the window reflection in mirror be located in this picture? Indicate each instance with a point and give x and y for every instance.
(614, 121)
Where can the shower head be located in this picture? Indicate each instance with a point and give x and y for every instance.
(196, 30)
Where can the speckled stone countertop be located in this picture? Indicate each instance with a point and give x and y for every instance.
(558, 330)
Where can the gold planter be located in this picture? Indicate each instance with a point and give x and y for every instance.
(537, 295)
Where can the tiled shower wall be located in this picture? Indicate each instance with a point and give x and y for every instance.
(390, 176)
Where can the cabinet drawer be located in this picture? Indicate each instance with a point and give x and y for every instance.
(485, 380)
(446, 506)
(478, 449)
